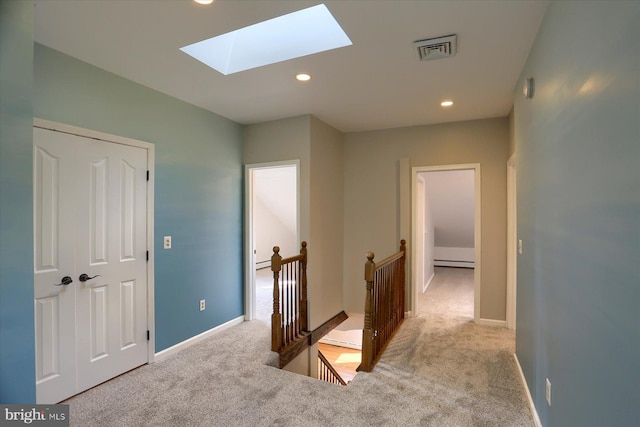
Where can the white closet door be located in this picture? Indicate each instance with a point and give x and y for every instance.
(54, 259)
(100, 195)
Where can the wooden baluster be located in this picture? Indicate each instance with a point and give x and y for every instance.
(288, 286)
(375, 314)
(292, 296)
(367, 332)
(304, 320)
(296, 299)
(276, 317)
(385, 310)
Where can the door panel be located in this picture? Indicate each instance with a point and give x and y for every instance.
(54, 233)
(90, 218)
(98, 205)
(115, 340)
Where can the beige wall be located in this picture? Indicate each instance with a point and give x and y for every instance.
(327, 219)
(319, 148)
(280, 140)
(371, 197)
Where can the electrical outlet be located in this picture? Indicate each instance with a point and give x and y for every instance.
(167, 242)
(202, 305)
(548, 392)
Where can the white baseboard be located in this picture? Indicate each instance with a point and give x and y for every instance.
(532, 406)
(493, 322)
(426, 285)
(161, 355)
(408, 314)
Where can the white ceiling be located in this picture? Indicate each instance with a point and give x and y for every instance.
(377, 83)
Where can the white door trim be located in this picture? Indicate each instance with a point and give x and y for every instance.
(87, 133)
(249, 240)
(477, 272)
(512, 224)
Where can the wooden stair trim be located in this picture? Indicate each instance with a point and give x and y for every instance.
(329, 366)
(307, 339)
(327, 327)
(294, 349)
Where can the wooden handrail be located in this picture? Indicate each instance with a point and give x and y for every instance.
(289, 319)
(384, 304)
(326, 372)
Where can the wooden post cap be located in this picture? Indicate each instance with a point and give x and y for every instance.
(370, 256)
(276, 249)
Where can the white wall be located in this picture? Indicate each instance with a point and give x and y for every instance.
(451, 199)
(274, 213)
(424, 234)
(271, 231)
(428, 243)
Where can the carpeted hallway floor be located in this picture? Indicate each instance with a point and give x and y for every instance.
(439, 370)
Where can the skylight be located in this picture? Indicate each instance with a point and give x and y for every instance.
(290, 36)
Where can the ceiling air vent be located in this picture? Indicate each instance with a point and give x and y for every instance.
(440, 47)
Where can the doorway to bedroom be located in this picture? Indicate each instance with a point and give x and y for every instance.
(272, 219)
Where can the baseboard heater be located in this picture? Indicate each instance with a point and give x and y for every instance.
(453, 263)
(263, 264)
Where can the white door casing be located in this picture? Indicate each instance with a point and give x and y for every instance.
(90, 218)
(250, 241)
(477, 272)
(512, 231)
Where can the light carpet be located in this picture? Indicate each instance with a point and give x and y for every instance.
(439, 370)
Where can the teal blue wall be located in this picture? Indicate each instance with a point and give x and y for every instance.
(578, 174)
(17, 365)
(198, 185)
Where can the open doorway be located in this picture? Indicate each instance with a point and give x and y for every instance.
(271, 215)
(446, 230)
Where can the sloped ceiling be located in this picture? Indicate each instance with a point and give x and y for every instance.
(276, 188)
(451, 198)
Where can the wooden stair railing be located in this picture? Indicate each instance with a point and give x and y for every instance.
(326, 372)
(384, 304)
(289, 319)
(289, 322)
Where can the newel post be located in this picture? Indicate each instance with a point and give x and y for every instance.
(367, 332)
(276, 317)
(304, 321)
(403, 286)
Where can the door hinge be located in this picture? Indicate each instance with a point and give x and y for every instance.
(147, 255)
(147, 175)
(148, 335)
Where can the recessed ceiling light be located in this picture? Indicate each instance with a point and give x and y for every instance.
(204, 1)
(303, 77)
(446, 103)
(301, 33)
